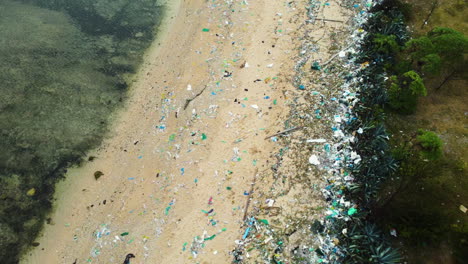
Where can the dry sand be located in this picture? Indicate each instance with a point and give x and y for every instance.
(164, 164)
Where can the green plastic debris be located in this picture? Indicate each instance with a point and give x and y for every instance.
(275, 102)
(167, 210)
(264, 221)
(316, 66)
(210, 238)
(206, 30)
(124, 234)
(184, 246)
(172, 137)
(203, 136)
(228, 188)
(352, 211)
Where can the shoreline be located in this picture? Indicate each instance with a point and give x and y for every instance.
(72, 177)
(163, 165)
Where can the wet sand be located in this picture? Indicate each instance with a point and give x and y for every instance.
(190, 139)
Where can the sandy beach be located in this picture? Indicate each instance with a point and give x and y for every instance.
(180, 162)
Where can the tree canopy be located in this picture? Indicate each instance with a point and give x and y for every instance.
(441, 47)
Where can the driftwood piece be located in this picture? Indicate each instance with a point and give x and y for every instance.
(334, 56)
(434, 5)
(250, 193)
(187, 101)
(330, 20)
(285, 131)
(446, 79)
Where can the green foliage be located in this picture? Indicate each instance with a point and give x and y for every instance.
(423, 207)
(431, 144)
(386, 44)
(420, 47)
(449, 43)
(415, 83)
(441, 47)
(432, 64)
(399, 67)
(424, 200)
(365, 243)
(385, 255)
(404, 92)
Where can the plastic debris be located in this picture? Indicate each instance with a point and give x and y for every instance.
(316, 66)
(320, 140)
(352, 211)
(314, 160)
(463, 209)
(270, 202)
(210, 238)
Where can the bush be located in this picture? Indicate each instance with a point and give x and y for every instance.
(386, 44)
(430, 143)
(432, 64)
(415, 83)
(404, 92)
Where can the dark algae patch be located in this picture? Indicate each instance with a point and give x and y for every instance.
(64, 69)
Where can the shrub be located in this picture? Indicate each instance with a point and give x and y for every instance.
(404, 92)
(432, 64)
(415, 83)
(386, 44)
(431, 144)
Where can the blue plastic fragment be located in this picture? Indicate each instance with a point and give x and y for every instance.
(247, 231)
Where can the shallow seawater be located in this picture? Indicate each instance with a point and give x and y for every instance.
(63, 71)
